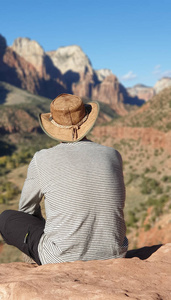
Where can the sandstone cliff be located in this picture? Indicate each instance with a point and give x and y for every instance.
(31, 51)
(103, 73)
(146, 93)
(109, 91)
(144, 275)
(15, 70)
(30, 69)
(162, 84)
(71, 58)
(68, 69)
(141, 92)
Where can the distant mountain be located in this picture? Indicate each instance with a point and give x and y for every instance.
(162, 84)
(68, 69)
(103, 73)
(18, 71)
(71, 58)
(141, 92)
(145, 93)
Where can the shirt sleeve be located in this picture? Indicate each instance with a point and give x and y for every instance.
(31, 194)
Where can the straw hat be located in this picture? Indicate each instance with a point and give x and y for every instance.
(69, 119)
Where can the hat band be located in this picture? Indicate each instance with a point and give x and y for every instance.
(74, 127)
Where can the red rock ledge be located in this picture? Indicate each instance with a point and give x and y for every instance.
(144, 275)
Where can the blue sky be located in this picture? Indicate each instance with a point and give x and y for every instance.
(132, 38)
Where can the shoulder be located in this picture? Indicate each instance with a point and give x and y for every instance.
(106, 149)
(44, 153)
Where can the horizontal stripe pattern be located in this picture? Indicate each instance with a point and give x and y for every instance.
(84, 194)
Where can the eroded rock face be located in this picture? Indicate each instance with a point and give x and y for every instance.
(31, 51)
(103, 73)
(44, 79)
(141, 92)
(162, 84)
(118, 279)
(109, 92)
(3, 45)
(85, 86)
(71, 58)
(17, 71)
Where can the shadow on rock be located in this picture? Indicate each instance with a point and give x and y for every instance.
(143, 253)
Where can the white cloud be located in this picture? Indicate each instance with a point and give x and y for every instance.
(159, 73)
(157, 70)
(129, 76)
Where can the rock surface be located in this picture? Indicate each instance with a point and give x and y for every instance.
(15, 70)
(133, 278)
(109, 92)
(29, 68)
(141, 92)
(31, 51)
(3, 45)
(161, 84)
(71, 58)
(103, 73)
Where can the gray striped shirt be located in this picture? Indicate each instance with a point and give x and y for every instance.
(83, 188)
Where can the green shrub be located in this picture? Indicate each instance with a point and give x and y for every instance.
(132, 219)
(150, 185)
(132, 177)
(147, 227)
(166, 178)
(8, 191)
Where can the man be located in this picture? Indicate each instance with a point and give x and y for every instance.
(83, 189)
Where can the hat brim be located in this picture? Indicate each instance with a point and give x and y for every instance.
(65, 134)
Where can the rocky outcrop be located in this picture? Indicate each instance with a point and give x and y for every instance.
(3, 45)
(162, 84)
(75, 67)
(85, 86)
(37, 75)
(32, 52)
(109, 92)
(71, 58)
(102, 74)
(141, 92)
(15, 70)
(145, 274)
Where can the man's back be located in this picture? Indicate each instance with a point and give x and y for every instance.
(84, 199)
(82, 185)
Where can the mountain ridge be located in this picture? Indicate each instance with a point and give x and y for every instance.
(72, 73)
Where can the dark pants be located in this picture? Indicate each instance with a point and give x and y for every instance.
(22, 231)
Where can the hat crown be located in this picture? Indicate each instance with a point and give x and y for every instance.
(67, 109)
